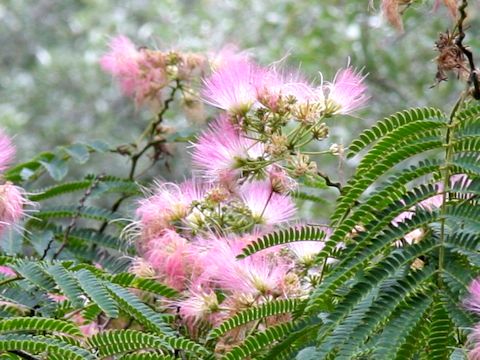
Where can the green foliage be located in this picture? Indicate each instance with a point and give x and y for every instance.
(389, 297)
(281, 237)
(256, 342)
(385, 298)
(119, 342)
(38, 324)
(272, 308)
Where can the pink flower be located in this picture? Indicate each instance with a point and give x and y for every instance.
(7, 151)
(413, 236)
(346, 93)
(474, 339)
(429, 204)
(201, 305)
(87, 329)
(221, 151)
(232, 87)
(57, 298)
(122, 62)
(227, 55)
(152, 78)
(169, 203)
(7, 271)
(306, 251)
(280, 181)
(275, 84)
(173, 258)
(472, 302)
(11, 205)
(259, 274)
(90, 329)
(267, 206)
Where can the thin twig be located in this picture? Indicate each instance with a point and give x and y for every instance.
(150, 143)
(23, 355)
(329, 182)
(11, 279)
(473, 78)
(73, 221)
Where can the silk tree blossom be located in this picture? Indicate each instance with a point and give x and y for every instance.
(346, 93)
(153, 77)
(169, 203)
(57, 298)
(430, 204)
(280, 181)
(145, 74)
(233, 86)
(87, 328)
(267, 206)
(7, 151)
(255, 275)
(7, 271)
(222, 150)
(173, 259)
(12, 201)
(276, 85)
(142, 268)
(228, 54)
(123, 63)
(201, 305)
(306, 251)
(472, 302)
(474, 340)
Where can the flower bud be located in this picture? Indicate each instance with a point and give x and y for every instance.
(280, 181)
(142, 268)
(278, 145)
(337, 149)
(320, 131)
(303, 166)
(307, 112)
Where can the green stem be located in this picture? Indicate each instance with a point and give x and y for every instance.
(11, 279)
(446, 179)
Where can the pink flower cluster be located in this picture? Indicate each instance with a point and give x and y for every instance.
(11, 197)
(190, 234)
(472, 303)
(239, 85)
(145, 74)
(432, 203)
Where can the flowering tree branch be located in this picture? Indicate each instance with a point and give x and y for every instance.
(473, 78)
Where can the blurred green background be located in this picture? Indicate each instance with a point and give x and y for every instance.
(52, 91)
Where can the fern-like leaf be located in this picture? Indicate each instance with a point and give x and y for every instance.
(281, 237)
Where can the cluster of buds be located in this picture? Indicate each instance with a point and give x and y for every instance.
(147, 75)
(302, 165)
(269, 117)
(194, 208)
